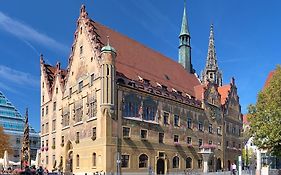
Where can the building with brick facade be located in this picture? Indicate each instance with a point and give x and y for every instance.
(122, 107)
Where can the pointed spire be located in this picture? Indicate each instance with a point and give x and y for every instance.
(211, 57)
(83, 12)
(211, 72)
(184, 24)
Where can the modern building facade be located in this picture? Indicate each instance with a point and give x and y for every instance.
(130, 109)
(13, 124)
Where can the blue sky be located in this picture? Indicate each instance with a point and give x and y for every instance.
(247, 38)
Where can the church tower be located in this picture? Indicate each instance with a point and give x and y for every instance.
(184, 44)
(211, 72)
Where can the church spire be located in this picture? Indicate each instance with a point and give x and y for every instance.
(184, 43)
(211, 72)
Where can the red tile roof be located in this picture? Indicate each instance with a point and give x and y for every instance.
(224, 90)
(134, 59)
(199, 91)
(269, 77)
(245, 119)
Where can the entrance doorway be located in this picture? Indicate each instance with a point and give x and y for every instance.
(160, 166)
(218, 164)
(69, 158)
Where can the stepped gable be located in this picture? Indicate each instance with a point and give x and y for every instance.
(135, 60)
(224, 91)
(50, 73)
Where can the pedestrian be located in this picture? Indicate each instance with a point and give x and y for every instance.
(233, 168)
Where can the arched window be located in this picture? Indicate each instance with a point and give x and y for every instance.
(143, 161)
(176, 162)
(94, 159)
(77, 160)
(188, 163)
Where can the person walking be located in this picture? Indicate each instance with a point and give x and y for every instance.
(233, 168)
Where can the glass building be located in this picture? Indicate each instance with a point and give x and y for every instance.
(13, 123)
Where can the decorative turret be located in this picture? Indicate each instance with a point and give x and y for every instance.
(108, 72)
(211, 72)
(184, 44)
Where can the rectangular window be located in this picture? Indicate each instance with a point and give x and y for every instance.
(200, 142)
(210, 128)
(47, 143)
(54, 125)
(166, 118)
(77, 160)
(234, 130)
(125, 161)
(70, 92)
(54, 106)
(143, 134)
(80, 86)
(189, 123)
(161, 137)
(42, 129)
(200, 126)
(199, 163)
(233, 145)
(239, 146)
(126, 132)
(54, 142)
(57, 90)
(210, 142)
(219, 130)
(42, 113)
(54, 159)
(47, 127)
(47, 160)
(42, 144)
(188, 140)
(176, 121)
(92, 79)
(176, 139)
(77, 137)
(47, 110)
(81, 50)
(94, 134)
(227, 143)
(62, 140)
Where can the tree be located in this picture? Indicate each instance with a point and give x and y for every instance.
(265, 116)
(4, 143)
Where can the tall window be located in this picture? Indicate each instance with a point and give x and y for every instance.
(78, 111)
(143, 161)
(77, 160)
(47, 110)
(94, 134)
(210, 128)
(65, 117)
(77, 137)
(81, 49)
(149, 113)
(188, 140)
(189, 123)
(200, 142)
(54, 125)
(42, 113)
(199, 163)
(80, 86)
(125, 161)
(54, 142)
(176, 120)
(131, 109)
(70, 92)
(47, 127)
(94, 161)
(47, 160)
(188, 163)
(54, 106)
(126, 132)
(166, 118)
(92, 110)
(62, 140)
(200, 126)
(143, 134)
(92, 79)
(176, 162)
(176, 138)
(161, 137)
(219, 130)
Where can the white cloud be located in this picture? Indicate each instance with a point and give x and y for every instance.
(17, 77)
(8, 88)
(27, 33)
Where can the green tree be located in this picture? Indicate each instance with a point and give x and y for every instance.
(4, 143)
(265, 116)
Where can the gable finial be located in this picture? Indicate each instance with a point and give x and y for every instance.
(83, 12)
(107, 40)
